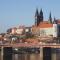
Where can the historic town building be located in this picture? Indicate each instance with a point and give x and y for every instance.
(46, 28)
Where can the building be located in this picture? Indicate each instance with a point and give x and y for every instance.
(19, 30)
(16, 30)
(45, 28)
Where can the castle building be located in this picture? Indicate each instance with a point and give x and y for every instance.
(19, 30)
(45, 28)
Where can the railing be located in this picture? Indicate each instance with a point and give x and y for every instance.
(52, 45)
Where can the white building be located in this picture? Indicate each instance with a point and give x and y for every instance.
(18, 30)
(46, 29)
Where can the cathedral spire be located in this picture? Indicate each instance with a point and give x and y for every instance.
(36, 14)
(55, 22)
(41, 15)
(36, 17)
(50, 18)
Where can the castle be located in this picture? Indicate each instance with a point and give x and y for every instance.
(45, 28)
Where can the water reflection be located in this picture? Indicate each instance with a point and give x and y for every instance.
(26, 57)
(34, 56)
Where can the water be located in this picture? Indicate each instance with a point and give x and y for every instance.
(26, 57)
(55, 55)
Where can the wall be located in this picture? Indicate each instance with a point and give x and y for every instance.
(46, 31)
(55, 30)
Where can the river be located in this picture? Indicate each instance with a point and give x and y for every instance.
(26, 57)
(55, 55)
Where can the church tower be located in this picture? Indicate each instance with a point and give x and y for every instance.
(41, 16)
(37, 18)
(55, 21)
(50, 18)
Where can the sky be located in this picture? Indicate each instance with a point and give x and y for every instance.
(21, 12)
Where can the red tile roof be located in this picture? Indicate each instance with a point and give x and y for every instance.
(45, 24)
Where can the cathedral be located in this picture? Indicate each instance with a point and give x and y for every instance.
(50, 27)
(40, 18)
